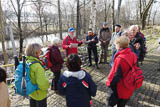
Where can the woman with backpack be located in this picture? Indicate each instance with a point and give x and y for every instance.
(37, 76)
(76, 84)
(56, 60)
(119, 93)
(4, 95)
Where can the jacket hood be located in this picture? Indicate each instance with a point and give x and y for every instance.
(79, 74)
(31, 59)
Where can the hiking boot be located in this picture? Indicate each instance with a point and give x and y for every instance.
(89, 65)
(99, 62)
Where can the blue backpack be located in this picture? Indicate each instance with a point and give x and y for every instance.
(23, 85)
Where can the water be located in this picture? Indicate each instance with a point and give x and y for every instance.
(8, 44)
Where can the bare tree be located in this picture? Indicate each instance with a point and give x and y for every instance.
(144, 13)
(92, 23)
(113, 20)
(78, 18)
(2, 33)
(118, 11)
(18, 12)
(59, 19)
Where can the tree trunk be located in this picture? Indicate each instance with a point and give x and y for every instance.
(78, 24)
(118, 10)
(149, 15)
(145, 13)
(113, 20)
(60, 20)
(20, 31)
(92, 23)
(105, 12)
(84, 18)
(154, 16)
(2, 33)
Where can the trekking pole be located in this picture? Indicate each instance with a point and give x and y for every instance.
(16, 61)
(23, 79)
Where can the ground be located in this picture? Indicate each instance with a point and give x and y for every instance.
(146, 96)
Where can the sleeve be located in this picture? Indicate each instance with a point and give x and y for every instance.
(95, 41)
(64, 45)
(92, 86)
(41, 79)
(100, 37)
(112, 36)
(57, 57)
(117, 77)
(79, 42)
(115, 74)
(61, 89)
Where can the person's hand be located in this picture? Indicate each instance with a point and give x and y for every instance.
(93, 40)
(137, 45)
(83, 40)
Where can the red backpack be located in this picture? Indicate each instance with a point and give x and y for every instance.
(134, 77)
(47, 58)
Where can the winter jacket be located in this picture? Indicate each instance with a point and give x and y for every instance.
(115, 35)
(67, 41)
(55, 58)
(37, 76)
(4, 95)
(105, 35)
(140, 40)
(78, 87)
(119, 71)
(92, 44)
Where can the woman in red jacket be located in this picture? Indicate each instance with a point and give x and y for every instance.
(119, 93)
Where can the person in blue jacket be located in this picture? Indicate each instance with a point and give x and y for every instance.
(76, 84)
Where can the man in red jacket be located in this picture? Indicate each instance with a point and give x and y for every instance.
(70, 43)
(119, 93)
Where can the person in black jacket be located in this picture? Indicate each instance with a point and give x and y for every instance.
(91, 41)
(138, 42)
(76, 84)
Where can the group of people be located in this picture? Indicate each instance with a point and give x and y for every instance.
(75, 83)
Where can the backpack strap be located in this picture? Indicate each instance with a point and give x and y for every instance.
(129, 63)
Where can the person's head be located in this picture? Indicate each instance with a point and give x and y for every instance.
(122, 42)
(117, 28)
(34, 50)
(71, 32)
(90, 32)
(3, 75)
(105, 25)
(138, 28)
(133, 29)
(73, 62)
(56, 41)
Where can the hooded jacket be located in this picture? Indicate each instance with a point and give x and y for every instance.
(56, 59)
(119, 71)
(78, 87)
(37, 76)
(67, 41)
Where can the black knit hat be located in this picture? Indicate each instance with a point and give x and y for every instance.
(118, 25)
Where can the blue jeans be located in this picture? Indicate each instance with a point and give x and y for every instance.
(112, 59)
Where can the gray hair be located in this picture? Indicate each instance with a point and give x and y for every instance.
(33, 49)
(55, 40)
(133, 26)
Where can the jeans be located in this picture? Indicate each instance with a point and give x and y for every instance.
(34, 103)
(112, 59)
